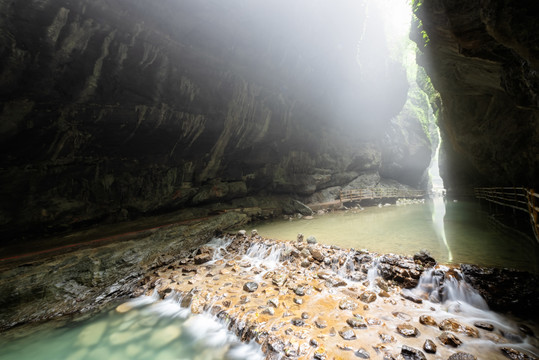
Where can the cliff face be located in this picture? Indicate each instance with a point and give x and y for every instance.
(116, 109)
(483, 58)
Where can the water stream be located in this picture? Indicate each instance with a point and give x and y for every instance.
(150, 328)
(453, 233)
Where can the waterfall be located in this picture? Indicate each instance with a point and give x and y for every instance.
(206, 330)
(347, 269)
(219, 245)
(372, 274)
(447, 287)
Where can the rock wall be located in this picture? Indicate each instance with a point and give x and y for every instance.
(483, 58)
(113, 110)
(42, 288)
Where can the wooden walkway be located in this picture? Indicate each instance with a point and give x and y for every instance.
(516, 198)
(378, 193)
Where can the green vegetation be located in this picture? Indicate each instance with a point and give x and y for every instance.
(417, 24)
(424, 83)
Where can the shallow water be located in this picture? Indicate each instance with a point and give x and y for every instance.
(149, 329)
(152, 329)
(470, 236)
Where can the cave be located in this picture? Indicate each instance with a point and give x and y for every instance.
(139, 140)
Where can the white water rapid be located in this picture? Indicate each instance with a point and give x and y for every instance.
(447, 295)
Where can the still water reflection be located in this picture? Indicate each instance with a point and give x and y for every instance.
(468, 234)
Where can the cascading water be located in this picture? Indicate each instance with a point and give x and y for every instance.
(439, 287)
(142, 328)
(219, 246)
(448, 296)
(347, 269)
(372, 274)
(264, 256)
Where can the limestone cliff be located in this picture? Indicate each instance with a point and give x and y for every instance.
(117, 109)
(483, 58)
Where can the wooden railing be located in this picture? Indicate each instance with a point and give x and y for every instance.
(516, 198)
(378, 193)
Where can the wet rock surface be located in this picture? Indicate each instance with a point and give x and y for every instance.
(505, 289)
(462, 356)
(134, 115)
(298, 312)
(429, 346)
(409, 353)
(449, 339)
(43, 288)
(484, 61)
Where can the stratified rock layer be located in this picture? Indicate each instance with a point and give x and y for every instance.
(113, 110)
(483, 58)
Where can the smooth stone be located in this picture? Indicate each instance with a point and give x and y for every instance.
(269, 311)
(515, 354)
(304, 315)
(462, 356)
(320, 323)
(317, 255)
(455, 326)
(300, 291)
(164, 336)
(407, 330)
(484, 325)
(367, 296)
(347, 333)
(409, 353)
(356, 323)
(320, 354)
(373, 321)
(273, 302)
(347, 304)
(311, 240)
(123, 308)
(427, 320)
(362, 353)
(305, 263)
(412, 298)
(345, 347)
(250, 286)
(429, 346)
(386, 338)
(92, 333)
(401, 315)
(298, 301)
(447, 338)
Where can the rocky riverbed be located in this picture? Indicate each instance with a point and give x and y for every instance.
(305, 300)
